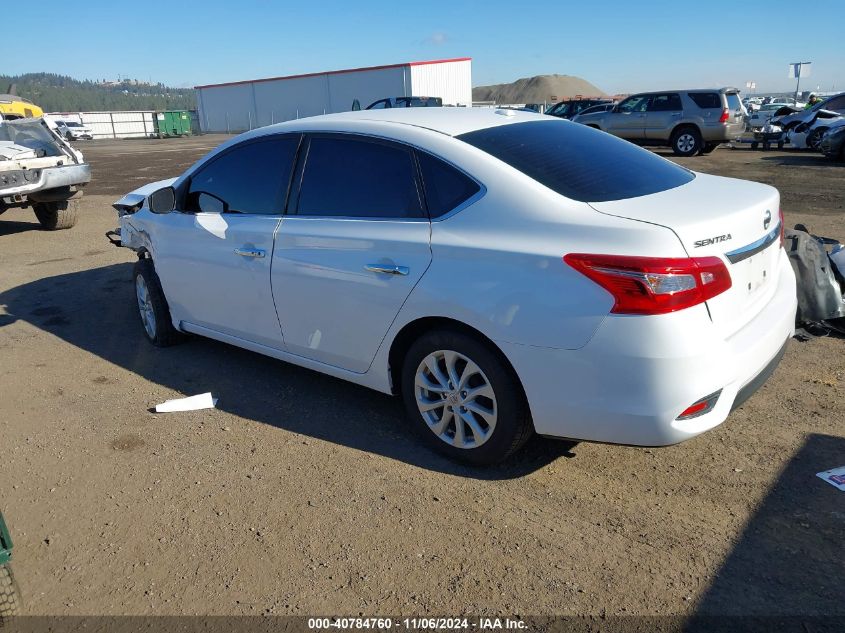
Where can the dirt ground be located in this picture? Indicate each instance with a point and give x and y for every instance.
(302, 494)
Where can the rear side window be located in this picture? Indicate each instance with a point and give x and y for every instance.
(249, 178)
(665, 103)
(579, 162)
(445, 187)
(350, 177)
(706, 99)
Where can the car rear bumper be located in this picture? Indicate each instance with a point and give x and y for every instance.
(52, 178)
(630, 383)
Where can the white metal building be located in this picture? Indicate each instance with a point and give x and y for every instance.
(244, 105)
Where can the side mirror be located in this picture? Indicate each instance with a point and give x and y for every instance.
(162, 201)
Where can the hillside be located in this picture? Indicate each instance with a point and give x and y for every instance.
(537, 89)
(57, 93)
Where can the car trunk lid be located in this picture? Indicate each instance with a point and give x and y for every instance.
(735, 220)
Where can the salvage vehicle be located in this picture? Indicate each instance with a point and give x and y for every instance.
(760, 117)
(832, 144)
(504, 272)
(574, 107)
(14, 107)
(691, 122)
(829, 108)
(406, 102)
(38, 169)
(73, 130)
(808, 135)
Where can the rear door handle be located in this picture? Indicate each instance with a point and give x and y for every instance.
(249, 252)
(387, 270)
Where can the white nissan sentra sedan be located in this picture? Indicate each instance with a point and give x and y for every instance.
(506, 273)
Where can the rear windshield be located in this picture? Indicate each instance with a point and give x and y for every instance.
(706, 99)
(579, 162)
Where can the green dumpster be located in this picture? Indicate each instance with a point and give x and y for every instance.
(173, 123)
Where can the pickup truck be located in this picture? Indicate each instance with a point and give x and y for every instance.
(38, 169)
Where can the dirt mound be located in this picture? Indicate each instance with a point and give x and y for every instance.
(537, 89)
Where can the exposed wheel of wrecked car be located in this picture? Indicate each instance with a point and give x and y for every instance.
(815, 138)
(152, 305)
(60, 214)
(463, 399)
(686, 141)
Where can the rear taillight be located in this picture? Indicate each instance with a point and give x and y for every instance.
(654, 285)
(725, 115)
(782, 227)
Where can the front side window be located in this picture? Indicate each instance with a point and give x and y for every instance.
(665, 103)
(577, 161)
(249, 178)
(360, 178)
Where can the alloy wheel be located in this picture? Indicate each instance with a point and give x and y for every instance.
(145, 306)
(456, 399)
(685, 142)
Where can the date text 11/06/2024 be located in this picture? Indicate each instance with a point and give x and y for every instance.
(376, 623)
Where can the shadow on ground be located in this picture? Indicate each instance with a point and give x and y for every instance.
(8, 227)
(804, 159)
(95, 310)
(786, 570)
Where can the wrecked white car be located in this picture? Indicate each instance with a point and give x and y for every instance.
(40, 170)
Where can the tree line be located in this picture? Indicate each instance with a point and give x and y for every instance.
(59, 93)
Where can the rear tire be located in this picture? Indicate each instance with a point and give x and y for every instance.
(152, 306)
(10, 597)
(463, 399)
(54, 216)
(686, 141)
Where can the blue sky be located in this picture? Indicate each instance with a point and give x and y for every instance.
(618, 46)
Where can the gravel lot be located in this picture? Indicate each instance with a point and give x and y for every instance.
(302, 494)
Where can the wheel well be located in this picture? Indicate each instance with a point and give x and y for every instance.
(594, 126)
(413, 330)
(683, 126)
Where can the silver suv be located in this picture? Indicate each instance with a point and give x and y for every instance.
(689, 121)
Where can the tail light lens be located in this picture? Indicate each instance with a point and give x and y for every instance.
(654, 285)
(725, 115)
(782, 227)
(700, 407)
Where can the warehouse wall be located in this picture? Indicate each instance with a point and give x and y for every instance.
(245, 106)
(451, 81)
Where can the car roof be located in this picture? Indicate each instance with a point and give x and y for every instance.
(449, 121)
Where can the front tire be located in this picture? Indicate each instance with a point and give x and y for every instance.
(10, 597)
(814, 140)
(54, 216)
(686, 141)
(152, 305)
(463, 399)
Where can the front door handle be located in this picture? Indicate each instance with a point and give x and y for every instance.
(387, 270)
(249, 252)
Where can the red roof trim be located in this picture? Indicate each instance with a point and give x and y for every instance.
(335, 72)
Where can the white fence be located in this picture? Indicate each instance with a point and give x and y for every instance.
(132, 124)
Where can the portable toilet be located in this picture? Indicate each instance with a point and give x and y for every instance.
(173, 123)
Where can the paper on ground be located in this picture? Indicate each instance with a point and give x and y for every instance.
(191, 403)
(835, 477)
